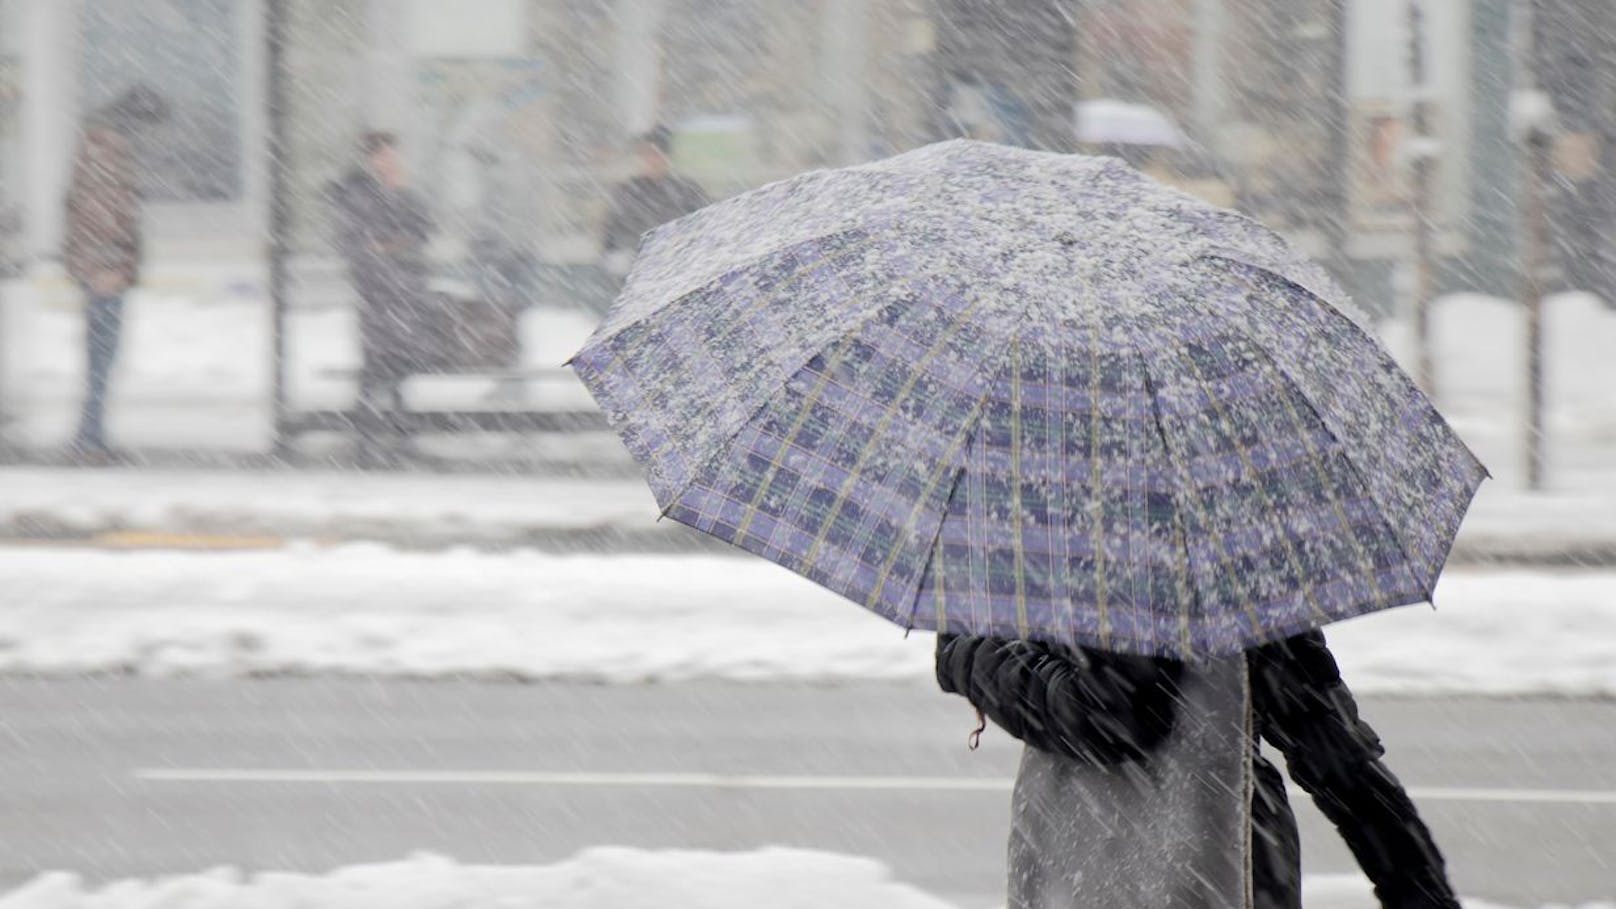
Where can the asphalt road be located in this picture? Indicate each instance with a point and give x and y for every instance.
(121, 777)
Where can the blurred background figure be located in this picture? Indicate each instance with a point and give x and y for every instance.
(1575, 62)
(102, 245)
(654, 196)
(382, 232)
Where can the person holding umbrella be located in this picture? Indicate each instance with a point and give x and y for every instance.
(1125, 452)
(1093, 722)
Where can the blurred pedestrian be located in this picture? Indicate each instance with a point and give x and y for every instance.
(654, 196)
(103, 245)
(382, 232)
(1123, 797)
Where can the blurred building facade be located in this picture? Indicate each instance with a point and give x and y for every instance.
(516, 114)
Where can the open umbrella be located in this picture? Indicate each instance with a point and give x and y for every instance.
(985, 390)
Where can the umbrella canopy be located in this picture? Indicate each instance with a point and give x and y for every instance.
(984, 390)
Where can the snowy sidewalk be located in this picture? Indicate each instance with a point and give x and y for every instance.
(494, 512)
(600, 878)
(371, 610)
(265, 507)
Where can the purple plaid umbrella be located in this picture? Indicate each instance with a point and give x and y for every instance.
(984, 390)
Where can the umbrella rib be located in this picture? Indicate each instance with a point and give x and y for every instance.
(1187, 588)
(1336, 312)
(728, 442)
(692, 291)
(1016, 545)
(961, 444)
(1346, 452)
(1251, 471)
(936, 548)
(1367, 563)
(811, 559)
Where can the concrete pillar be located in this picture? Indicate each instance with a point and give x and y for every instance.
(1211, 91)
(49, 121)
(390, 84)
(637, 94)
(845, 31)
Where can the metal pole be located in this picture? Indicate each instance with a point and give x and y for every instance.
(275, 30)
(1424, 373)
(1535, 247)
(1210, 88)
(844, 31)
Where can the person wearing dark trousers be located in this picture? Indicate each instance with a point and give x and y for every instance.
(103, 245)
(1101, 733)
(382, 232)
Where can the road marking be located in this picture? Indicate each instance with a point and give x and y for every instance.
(750, 781)
(541, 778)
(152, 539)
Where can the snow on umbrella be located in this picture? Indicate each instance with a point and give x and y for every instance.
(981, 389)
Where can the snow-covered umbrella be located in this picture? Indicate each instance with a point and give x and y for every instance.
(981, 389)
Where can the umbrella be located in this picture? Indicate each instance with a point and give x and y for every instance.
(1107, 121)
(984, 390)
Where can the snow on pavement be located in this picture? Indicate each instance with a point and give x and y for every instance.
(316, 503)
(367, 609)
(597, 878)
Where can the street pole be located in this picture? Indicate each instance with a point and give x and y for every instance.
(1538, 150)
(1210, 89)
(1535, 248)
(1422, 151)
(844, 29)
(1533, 113)
(275, 30)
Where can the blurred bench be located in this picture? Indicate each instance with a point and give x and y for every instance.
(520, 414)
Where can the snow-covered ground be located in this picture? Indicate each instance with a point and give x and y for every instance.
(195, 361)
(599, 878)
(372, 610)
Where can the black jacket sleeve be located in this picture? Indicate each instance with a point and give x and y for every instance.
(1085, 705)
(1304, 709)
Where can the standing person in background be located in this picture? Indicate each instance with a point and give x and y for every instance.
(102, 246)
(382, 232)
(653, 197)
(1574, 51)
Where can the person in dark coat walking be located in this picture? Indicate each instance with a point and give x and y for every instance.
(650, 199)
(382, 232)
(103, 245)
(1084, 712)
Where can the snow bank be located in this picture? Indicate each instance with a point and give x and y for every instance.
(600, 878)
(365, 609)
(1351, 891)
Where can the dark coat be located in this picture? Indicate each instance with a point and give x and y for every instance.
(643, 203)
(102, 231)
(382, 234)
(1109, 709)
